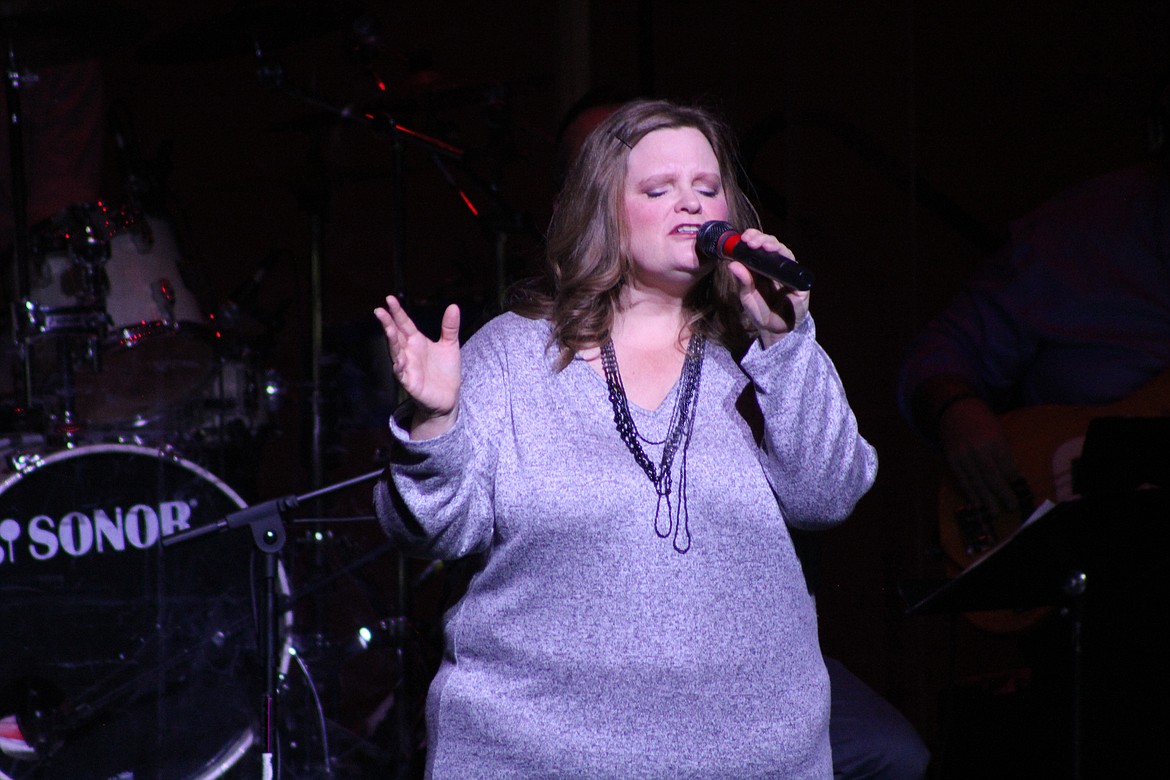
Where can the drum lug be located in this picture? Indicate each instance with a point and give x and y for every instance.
(168, 452)
(25, 462)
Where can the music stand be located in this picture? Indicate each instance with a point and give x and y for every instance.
(1105, 542)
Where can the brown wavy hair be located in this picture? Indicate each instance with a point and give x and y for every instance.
(586, 266)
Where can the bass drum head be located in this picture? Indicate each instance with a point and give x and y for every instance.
(120, 656)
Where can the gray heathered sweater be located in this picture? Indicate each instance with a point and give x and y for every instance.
(586, 646)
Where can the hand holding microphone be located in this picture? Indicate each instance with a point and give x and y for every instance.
(773, 312)
(718, 240)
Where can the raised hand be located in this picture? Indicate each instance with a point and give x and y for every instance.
(427, 370)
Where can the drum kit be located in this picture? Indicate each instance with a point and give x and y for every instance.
(134, 642)
(115, 343)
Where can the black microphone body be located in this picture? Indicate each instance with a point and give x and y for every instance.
(719, 240)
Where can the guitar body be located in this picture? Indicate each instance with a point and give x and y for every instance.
(1045, 441)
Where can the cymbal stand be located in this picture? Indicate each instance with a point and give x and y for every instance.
(400, 136)
(314, 199)
(272, 75)
(13, 82)
(26, 316)
(502, 222)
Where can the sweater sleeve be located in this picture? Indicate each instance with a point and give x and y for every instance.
(435, 498)
(815, 459)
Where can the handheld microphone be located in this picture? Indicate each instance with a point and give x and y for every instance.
(719, 240)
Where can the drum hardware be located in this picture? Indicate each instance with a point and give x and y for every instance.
(132, 335)
(37, 320)
(81, 236)
(26, 462)
(163, 295)
(84, 234)
(88, 322)
(67, 309)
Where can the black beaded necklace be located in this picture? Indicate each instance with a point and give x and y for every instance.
(682, 421)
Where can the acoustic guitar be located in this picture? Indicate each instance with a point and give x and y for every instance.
(1046, 441)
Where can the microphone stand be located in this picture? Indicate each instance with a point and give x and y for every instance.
(267, 521)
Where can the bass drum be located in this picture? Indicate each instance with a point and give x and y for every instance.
(122, 657)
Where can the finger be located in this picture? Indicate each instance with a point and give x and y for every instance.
(1005, 492)
(757, 291)
(401, 319)
(968, 485)
(389, 330)
(392, 303)
(757, 239)
(388, 318)
(385, 320)
(750, 281)
(449, 327)
(746, 279)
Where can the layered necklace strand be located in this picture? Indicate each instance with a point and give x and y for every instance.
(678, 434)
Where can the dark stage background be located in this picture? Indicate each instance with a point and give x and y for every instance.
(890, 144)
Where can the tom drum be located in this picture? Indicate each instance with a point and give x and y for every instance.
(154, 353)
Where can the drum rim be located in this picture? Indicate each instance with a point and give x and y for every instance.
(155, 453)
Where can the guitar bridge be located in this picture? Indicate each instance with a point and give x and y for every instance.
(976, 529)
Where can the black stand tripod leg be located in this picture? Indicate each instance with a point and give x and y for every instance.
(267, 523)
(1075, 589)
(271, 561)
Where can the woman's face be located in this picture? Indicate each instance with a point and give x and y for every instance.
(672, 187)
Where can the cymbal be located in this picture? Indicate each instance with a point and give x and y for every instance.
(50, 32)
(265, 25)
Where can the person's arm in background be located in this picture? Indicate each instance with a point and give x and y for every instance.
(955, 375)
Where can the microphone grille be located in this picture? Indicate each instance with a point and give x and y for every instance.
(707, 242)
